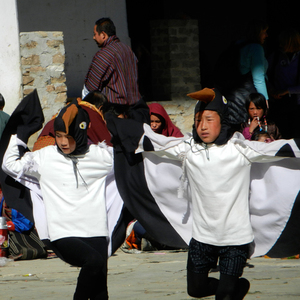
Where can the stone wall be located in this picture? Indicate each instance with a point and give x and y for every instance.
(42, 67)
(175, 58)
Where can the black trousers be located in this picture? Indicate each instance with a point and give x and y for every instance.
(91, 255)
(203, 257)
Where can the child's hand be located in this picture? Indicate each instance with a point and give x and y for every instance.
(254, 123)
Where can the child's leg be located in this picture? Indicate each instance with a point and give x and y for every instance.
(200, 285)
(201, 258)
(91, 255)
(139, 231)
(232, 288)
(232, 262)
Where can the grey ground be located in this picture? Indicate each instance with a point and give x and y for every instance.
(147, 275)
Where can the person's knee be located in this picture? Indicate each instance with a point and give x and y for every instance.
(227, 287)
(195, 292)
(200, 285)
(225, 292)
(232, 289)
(95, 263)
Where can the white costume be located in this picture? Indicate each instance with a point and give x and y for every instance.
(71, 210)
(219, 177)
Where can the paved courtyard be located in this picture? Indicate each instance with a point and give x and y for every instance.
(147, 275)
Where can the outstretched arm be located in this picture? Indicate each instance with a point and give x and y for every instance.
(20, 168)
(136, 137)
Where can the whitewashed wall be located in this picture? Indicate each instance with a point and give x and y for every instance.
(75, 18)
(10, 72)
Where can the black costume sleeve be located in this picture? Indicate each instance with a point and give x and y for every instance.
(26, 119)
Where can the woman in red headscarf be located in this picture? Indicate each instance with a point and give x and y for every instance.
(161, 122)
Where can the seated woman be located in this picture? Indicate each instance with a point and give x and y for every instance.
(161, 122)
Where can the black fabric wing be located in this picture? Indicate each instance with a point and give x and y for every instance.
(26, 119)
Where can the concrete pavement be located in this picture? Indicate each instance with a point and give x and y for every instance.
(147, 275)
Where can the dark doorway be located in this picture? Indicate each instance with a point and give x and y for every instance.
(219, 24)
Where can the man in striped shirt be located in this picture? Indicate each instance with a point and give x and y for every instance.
(113, 70)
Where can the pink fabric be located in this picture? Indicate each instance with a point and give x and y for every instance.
(246, 133)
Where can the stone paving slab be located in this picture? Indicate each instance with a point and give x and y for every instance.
(147, 275)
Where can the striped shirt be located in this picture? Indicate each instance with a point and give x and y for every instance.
(113, 71)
